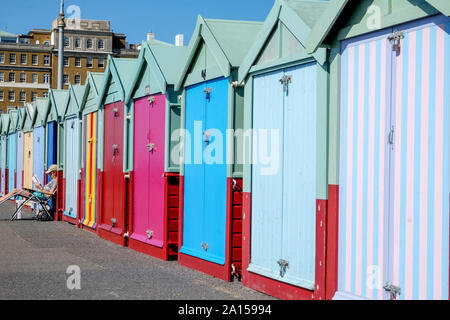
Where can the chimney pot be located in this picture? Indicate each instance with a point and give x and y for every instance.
(179, 40)
(150, 36)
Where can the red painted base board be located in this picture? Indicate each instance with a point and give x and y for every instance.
(156, 252)
(69, 220)
(115, 237)
(276, 288)
(332, 241)
(6, 181)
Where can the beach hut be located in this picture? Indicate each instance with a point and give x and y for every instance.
(212, 105)
(112, 220)
(92, 129)
(21, 115)
(154, 176)
(12, 149)
(71, 154)
(39, 135)
(58, 100)
(4, 152)
(389, 147)
(28, 146)
(285, 199)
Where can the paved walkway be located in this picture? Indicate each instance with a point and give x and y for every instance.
(34, 257)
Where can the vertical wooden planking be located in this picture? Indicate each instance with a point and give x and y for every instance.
(12, 161)
(90, 167)
(3, 159)
(28, 160)
(19, 166)
(299, 176)
(266, 218)
(39, 154)
(71, 167)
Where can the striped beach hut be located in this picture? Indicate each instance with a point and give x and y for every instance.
(28, 145)
(22, 113)
(12, 149)
(91, 153)
(388, 210)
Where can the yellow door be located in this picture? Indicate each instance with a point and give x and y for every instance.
(28, 160)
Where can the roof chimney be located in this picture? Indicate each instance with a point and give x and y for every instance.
(179, 40)
(150, 36)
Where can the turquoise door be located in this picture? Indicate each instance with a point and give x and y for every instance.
(12, 161)
(71, 168)
(204, 219)
(284, 191)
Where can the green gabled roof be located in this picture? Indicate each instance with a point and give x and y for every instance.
(14, 117)
(228, 40)
(7, 34)
(299, 16)
(91, 91)
(58, 103)
(5, 123)
(42, 107)
(164, 61)
(121, 71)
(21, 116)
(338, 8)
(30, 111)
(74, 101)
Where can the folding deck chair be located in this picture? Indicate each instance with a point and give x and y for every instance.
(42, 209)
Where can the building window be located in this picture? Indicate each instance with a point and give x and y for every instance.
(34, 78)
(22, 96)
(2, 57)
(101, 44)
(2, 76)
(66, 42)
(89, 43)
(23, 77)
(45, 95)
(1, 96)
(12, 77)
(89, 62)
(33, 96)
(12, 58)
(77, 43)
(47, 60)
(12, 96)
(66, 61)
(34, 59)
(23, 59)
(77, 79)
(77, 62)
(46, 43)
(46, 78)
(101, 62)
(66, 79)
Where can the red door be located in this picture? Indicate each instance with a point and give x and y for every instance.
(113, 213)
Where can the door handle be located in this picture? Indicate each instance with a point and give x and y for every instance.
(151, 147)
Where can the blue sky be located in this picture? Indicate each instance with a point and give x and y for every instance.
(133, 17)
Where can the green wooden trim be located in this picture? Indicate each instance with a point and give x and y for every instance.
(247, 143)
(110, 72)
(216, 50)
(322, 132)
(183, 127)
(137, 72)
(211, 73)
(282, 63)
(442, 5)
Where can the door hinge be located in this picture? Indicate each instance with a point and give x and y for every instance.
(394, 291)
(283, 265)
(285, 81)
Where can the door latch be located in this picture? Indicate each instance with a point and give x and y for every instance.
(149, 234)
(151, 100)
(394, 291)
(391, 137)
(151, 147)
(72, 124)
(285, 81)
(115, 149)
(283, 265)
(113, 222)
(206, 136)
(208, 92)
(205, 246)
(395, 39)
(115, 112)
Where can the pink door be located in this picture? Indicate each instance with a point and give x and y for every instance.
(148, 201)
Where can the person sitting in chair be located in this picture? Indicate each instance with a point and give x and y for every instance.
(44, 192)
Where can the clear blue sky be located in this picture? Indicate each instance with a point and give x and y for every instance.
(135, 18)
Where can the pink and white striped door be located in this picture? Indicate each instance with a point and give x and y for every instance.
(394, 171)
(149, 150)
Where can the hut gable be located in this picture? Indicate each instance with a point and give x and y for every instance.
(91, 91)
(349, 18)
(74, 100)
(42, 107)
(5, 123)
(217, 47)
(14, 117)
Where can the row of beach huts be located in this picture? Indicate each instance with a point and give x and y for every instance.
(307, 155)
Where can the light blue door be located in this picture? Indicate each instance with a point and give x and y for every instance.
(71, 167)
(284, 189)
(3, 163)
(204, 220)
(19, 158)
(11, 161)
(39, 153)
(51, 145)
